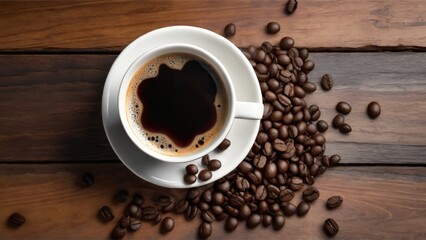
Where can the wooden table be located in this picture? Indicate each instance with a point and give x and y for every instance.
(54, 58)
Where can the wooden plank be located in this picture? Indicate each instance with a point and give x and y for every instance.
(325, 24)
(379, 203)
(50, 106)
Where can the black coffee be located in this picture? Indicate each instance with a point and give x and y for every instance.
(176, 103)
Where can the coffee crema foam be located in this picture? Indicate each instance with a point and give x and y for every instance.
(160, 142)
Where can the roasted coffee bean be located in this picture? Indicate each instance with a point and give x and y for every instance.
(267, 149)
(203, 206)
(191, 169)
(343, 107)
(303, 53)
(311, 129)
(283, 59)
(308, 159)
(334, 202)
(286, 43)
(303, 208)
(291, 6)
(327, 82)
(189, 178)
(121, 196)
(261, 193)
(214, 165)
(325, 160)
(338, 121)
(224, 145)
(231, 224)
(274, 207)
(207, 216)
(138, 199)
(278, 221)
(118, 232)
(157, 220)
(267, 110)
(167, 225)
(345, 128)
(253, 178)
(322, 126)
(279, 145)
(163, 201)
(273, 191)
(285, 101)
(191, 212)
(259, 56)
(293, 168)
(308, 66)
(270, 170)
(330, 227)
(334, 160)
(124, 221)
(232, 211)
(149, 213)
(310, 194)
(230, 30)
(263, 206)
(282, 166)
(241, 184)
(205, 175)
(373, 110)
(205, 230)
(317, 150)
(134, 225)
(272, 134)
(87, 180)
(253, 220)
(261, 68)
(309, 87)
(259, 161)
(296, 183)
(218, 198)
(244, 211)
(273, 27)
(266, 220)
(192, 194)
(133, 210)
(286, 195)
(216, 210)
(276, 116)
(262, 138)
(224, 186)
(267, 46)
(236, 200)
(105, 213)
(17, 219)
(303, 169)
(289, 209)
(205, 159)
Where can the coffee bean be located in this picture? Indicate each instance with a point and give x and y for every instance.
(203, 206)
(134, 225)
(338, 121)
(105, 214)
(283, 59)
(286, 43)
(118, 232)
(279, 145)
(296, 183)
(218, 198)
(232, 211)
(278, 222)
(259, 161)
(286, 195)
(334, 202)
(274, 207)
(138, 199)
(259, 56)
(289, 209)
(308, 66)
(311, 129)
(291, 6)
(205, 159)
(17, 219)
(261, 192)
(236, 200)
(192, 194)
(270, 170)
(317, 150)
(205, 230)
(309, 87)
(224, 186)
(191, 169)
(322, 126)
(253, 220)
(216, 210)
(87, 180)
(334, 160)
(231, 224)
(191, 212)
(303, 208)
(273, 27)
(343, 108)
(266, 220)
(167, 225)
(205, 175)
(207, 216)
(303, 53)
(373, 110)
(121, 196)
(267, 149)
(345, 128)
(149, 213)
(230, 30)
(224, 145)
(327, 82)
(310, 194)
(330, 227)
(189, 178)
(133, 210)
(157, 220)
(244, 211)
(267, 46)
(214, 165)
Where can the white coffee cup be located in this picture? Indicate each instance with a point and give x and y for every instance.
(235, 109)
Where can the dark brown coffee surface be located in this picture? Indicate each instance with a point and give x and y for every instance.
(179, 103)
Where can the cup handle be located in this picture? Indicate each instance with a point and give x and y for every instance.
(249, 110)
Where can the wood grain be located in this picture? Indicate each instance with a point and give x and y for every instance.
(324, 24)
(50, 106)
(379, 203)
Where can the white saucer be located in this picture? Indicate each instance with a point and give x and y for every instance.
(241, 135)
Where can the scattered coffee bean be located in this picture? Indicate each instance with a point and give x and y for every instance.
(334, 202)
(16, 219)
(253, 220)
(373, 110)
(291, 6)
(224, 145)
(286, 43)
(343, 108)
(205, 175)
(191, 212)
(334, 160)
(266, 220)
(121, 196)
(273, 27)
(278, 221)
(207, 216)
(191, 169)
(106, 214)
(138, 199)
(134, 225)
(134, 211)
(309, 87)
(87, 180)
(214, 165)
(327, 82)
(345, 128)
(118, 232)
(322, 126)
(303, 208)
(205, 230)
(310, 194)
(149, 213)
(330, 227)
(124, 221)
(167, 225)
(157, 220)
(338, 121)
(289, 209)
(189, 178)
(231, 224)
(181, 206)
(230, 30)
(205, 160)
